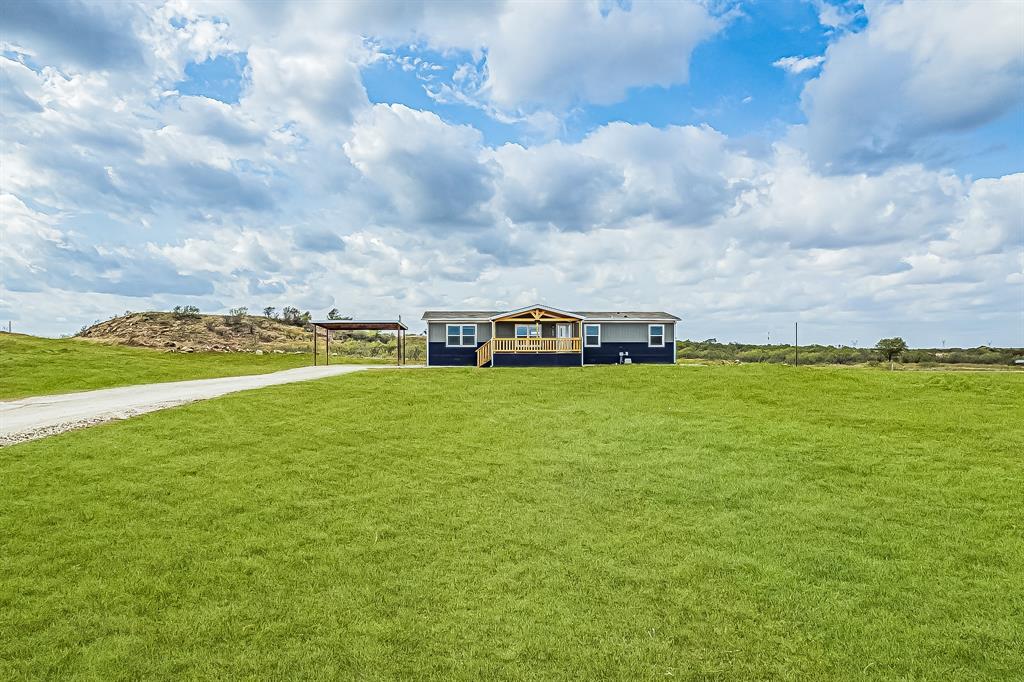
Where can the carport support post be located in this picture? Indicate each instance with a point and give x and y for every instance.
(314, 345)
(327, 345)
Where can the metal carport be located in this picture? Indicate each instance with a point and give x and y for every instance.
(359, 325)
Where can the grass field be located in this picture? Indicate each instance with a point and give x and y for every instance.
(30, 365)
(620, 522)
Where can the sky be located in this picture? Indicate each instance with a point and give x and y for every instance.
(856, 168)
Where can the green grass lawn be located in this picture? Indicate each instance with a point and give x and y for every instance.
(30, 365)
(618, 522)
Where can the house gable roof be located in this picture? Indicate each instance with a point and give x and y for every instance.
(598, 316)
(540, 313)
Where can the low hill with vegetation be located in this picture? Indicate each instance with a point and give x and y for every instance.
(187, 331)
(195, 332)
(712, 350)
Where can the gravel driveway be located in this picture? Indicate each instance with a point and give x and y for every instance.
(30, 418)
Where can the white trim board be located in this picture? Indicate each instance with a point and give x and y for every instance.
(656, 345)
(462, 336)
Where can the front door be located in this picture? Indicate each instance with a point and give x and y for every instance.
(563, 330)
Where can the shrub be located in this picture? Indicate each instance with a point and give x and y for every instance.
(185, 312)
(236, 315)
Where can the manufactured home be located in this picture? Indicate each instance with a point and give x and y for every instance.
(540, 335)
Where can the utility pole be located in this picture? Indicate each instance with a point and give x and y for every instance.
(796, 334)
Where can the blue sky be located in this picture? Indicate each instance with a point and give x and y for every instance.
(742, 164)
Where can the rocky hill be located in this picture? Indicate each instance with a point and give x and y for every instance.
(172, 332)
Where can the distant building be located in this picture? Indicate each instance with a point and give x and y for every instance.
(540, 335)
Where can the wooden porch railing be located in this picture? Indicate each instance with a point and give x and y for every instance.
(483, 354)
(536, 345)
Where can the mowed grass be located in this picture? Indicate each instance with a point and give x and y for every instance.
(30, 365)
(613, 523)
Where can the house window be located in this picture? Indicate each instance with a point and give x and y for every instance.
(591, 335)
(461, 335)
(526, 331)
(655, 335)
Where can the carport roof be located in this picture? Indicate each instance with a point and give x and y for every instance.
(360, 325)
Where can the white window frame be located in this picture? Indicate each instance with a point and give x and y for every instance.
(586, 335)
(650, 327)
(462, 337)
(531, 331)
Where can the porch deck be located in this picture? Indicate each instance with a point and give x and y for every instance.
(485, 353)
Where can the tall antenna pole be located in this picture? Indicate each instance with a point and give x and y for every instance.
(796, 333)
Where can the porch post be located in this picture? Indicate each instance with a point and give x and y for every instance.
(579, 329)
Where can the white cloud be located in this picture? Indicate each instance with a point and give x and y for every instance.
(791, 202)
(989, 220)
(797, 65)
(835, 15)
(557, 185)
(917, 71)
(431, 173)
(553, 54)
(623, 174)
(319, 89)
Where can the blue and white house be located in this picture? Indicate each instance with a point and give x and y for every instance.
(540, 335)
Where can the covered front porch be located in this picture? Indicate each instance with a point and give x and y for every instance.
(533, 332)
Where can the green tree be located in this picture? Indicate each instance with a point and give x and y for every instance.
(293, 316)
(891, 349)
(270, 312)
(335, 314)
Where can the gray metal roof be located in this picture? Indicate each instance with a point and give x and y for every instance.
(359, 325)
(629, 315)
(485, 315)
(460, 314)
